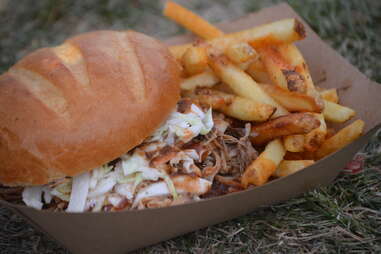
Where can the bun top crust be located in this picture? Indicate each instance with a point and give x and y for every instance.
(72, 108)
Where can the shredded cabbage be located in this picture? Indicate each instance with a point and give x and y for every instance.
(138, 163)
(184, 126)
(136, 166)
(32, 196)
(171, 186)
(126, 179)
(97, 174)
(197, 111)
(152, 190)
(138, 180)
(95, 204)
(208, 122)
(47, 195)
(62, 190)
(126, 189)
(132, 163)
(79, 191)
(166, 187)
(115, 199)
(103, 186)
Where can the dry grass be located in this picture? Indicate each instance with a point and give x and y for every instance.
(342, 218)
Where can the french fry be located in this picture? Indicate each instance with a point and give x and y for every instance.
(258, 72)
(275, 33)
(280, 71)
(288, 167)
(299, 156)
(245, 65)
(293, 140)
(336, 113)
(294, 143)
(287, 68)
(240, 52)
(296, 123)
(316, 137)
(342, 138)
(241, 83)
(260, 170)
(291, 54)
(235, 106)
(278, 32)
(292, 101)
(223, 87)
(205, 79)
(191, 21)
(330, 133)
(294, 156)
(294, 57)
(195, 60)
(330, 95)
(178, 51)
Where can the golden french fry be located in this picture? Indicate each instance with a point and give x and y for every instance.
(240, 52)
(260, 170)
(330, 95)
(291, 54)
(278, 32)
(191, 21)
(178, 51)
(299, 156)
(294, 57)
(205, 79)
(258, 72)
(288, 167)
(245, 65)
(296, 123)
(241, 83)
(235, 106)
(292, 101)
(195, 60)
(294, 143)
(224, 88)
(336, 113)
(316, 137)
(294, 156)
(342, 138)
(280, 71)
(330, 133)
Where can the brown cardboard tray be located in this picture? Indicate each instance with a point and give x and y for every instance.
(119, 232)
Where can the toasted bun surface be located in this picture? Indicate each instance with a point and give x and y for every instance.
(72, 108)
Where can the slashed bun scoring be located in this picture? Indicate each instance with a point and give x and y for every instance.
(72, 108)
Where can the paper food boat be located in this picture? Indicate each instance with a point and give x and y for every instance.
(120, 232)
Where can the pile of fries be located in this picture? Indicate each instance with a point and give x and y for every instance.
(258, 75)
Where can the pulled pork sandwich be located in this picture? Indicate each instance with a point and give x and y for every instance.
(96, 124)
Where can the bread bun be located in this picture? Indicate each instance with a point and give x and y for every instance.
(72, 108)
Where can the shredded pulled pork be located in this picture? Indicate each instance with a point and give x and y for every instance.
(194, 154)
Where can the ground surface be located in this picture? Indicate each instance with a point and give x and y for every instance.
(342, 218)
